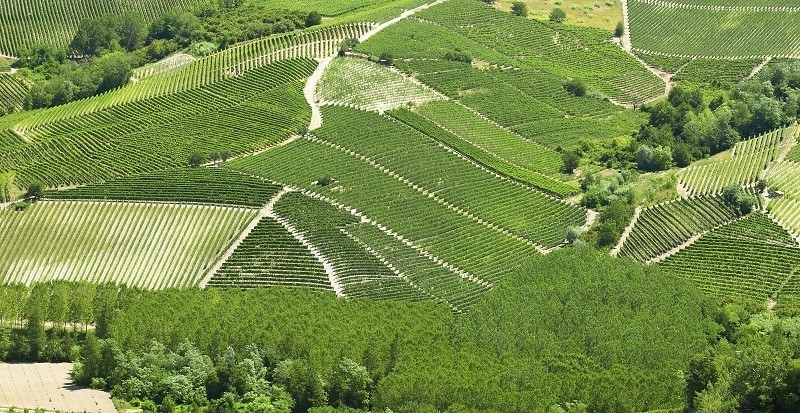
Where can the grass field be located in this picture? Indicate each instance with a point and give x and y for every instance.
(592, 13)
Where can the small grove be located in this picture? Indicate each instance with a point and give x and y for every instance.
(547, 337)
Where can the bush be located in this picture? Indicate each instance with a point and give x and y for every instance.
(196, 159)
(386, 58)
(576, 87)
(519, 8)
(458, 56)
(619, 30)
(313, 18)
(736, 197)
(558, 15)
(202, 49)
(571, 161)
(35, 190)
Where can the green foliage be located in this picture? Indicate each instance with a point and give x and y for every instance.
(386, 58)
(649, 159)
(519, 8)
(619, 30)
(558, 15)
(313, 18)
(35, 190)
(7, 187)
(576, 87)
(571, 161)
(736, 197)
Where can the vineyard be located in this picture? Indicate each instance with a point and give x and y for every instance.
(663, 227)
(12, 93)
(241, 115)
(706, 30)
(228, 64)
(752, 257)
(152, 246)
(55, 22)
(743, 165)
(188, 185)
(365, 85)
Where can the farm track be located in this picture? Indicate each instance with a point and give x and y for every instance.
(267, 211)
(758, 68)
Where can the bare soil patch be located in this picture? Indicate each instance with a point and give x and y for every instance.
(48, 386)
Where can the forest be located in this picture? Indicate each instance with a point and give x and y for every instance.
(573, 331)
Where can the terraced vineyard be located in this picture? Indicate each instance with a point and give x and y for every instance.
(199, 185)
(752, 257)
(665, 226)
(270, 256)
(710, 70)
(228, 64)
(151, 246)
(12, 92)
(369, 86)
(742, 31)
(55, 22)
(743, 165)
(241, 114)
(520, 67)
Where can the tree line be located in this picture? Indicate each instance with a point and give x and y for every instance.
(105, 50)
(575, 330)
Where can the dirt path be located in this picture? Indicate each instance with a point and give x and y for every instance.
(309, 91)
(677, 249)
(330, 271)
(758, 68)
(262, 213)
(626, 35)
(627, 231)
(258, 152)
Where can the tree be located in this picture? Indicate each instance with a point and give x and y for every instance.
(619, 30)
(225, 155)
(95, 37)
(576, 87)
(573, 233)
(558, 15)
(300, 380)
(215, 156)
(132, 31)
(313, 18)
(112, 71)
(350, 385)
(570, 160)
(90, 360)
(519, 8)
(196, 159)
(182, 27)
(35, 190)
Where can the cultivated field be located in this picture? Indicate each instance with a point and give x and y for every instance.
(715, 29)
(144, 245)
(49, 387)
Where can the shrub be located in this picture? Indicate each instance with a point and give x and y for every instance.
(386, 58)
(571, 161)
(202, 48)
(576, 87)
(313, 18)
(619, 30)
(519, 8)
(558, 15)
(196, 159)
(35, 190)
(458, 56)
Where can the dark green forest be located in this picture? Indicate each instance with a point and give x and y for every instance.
(574, 331)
